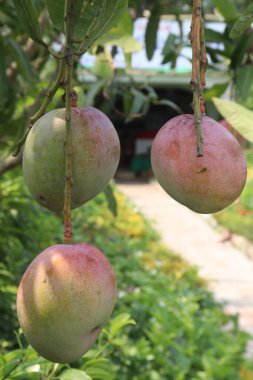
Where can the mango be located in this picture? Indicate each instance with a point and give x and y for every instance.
(65, 297)
(204, 184)
(96, 153)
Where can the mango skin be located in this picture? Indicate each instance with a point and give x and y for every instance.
(65, 297)
(96, 153)
(204, 184)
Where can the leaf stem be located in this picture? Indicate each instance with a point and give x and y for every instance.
(195, 81)
(56, 55)
(49, 96)
(68, 132)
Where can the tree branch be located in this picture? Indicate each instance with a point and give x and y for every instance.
(9, 163)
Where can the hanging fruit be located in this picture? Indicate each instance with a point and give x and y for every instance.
(64, 299)
(194, 158)
(95, 157)
(68, 292)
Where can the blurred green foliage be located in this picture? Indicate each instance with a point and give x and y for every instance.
(179, 332)
(238, 218)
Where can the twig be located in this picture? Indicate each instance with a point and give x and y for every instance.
(49, 96)
(9, 162)
(68, 133)
(195, 81)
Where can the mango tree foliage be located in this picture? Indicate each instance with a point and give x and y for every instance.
(238, 116)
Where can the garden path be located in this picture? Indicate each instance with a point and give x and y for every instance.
(228, 270)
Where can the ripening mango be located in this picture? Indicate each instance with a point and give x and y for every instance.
(65, 297)
(204, 184)
(96, 152)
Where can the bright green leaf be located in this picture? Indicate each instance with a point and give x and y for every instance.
(238, 116)
(74, 374)
(28, 19)
(103, 67)
(120, 321)
(100, 368)
(242, 23)
(126, 42)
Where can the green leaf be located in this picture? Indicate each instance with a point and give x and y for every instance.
(215, 36)
(138, 106)
(100, 368)
(241, 49)
(227, 9)
(244, 83)
(125, 27)
(80, 96)
(94, 89)
(216, 90)
(74, 374)
(151, 32)
(120, 321)
(169, 103)
(91, 18)
(126, 42)
(238, 116)
(242, 23)
(111, 200)
(170, 49)
(28, 19)
(103, 67)
(97, 17)
(20, 58)
(56, 13)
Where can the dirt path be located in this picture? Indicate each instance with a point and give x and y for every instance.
(229, 271)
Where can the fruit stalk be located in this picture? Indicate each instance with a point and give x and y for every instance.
(68, 133)
(195, 81)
